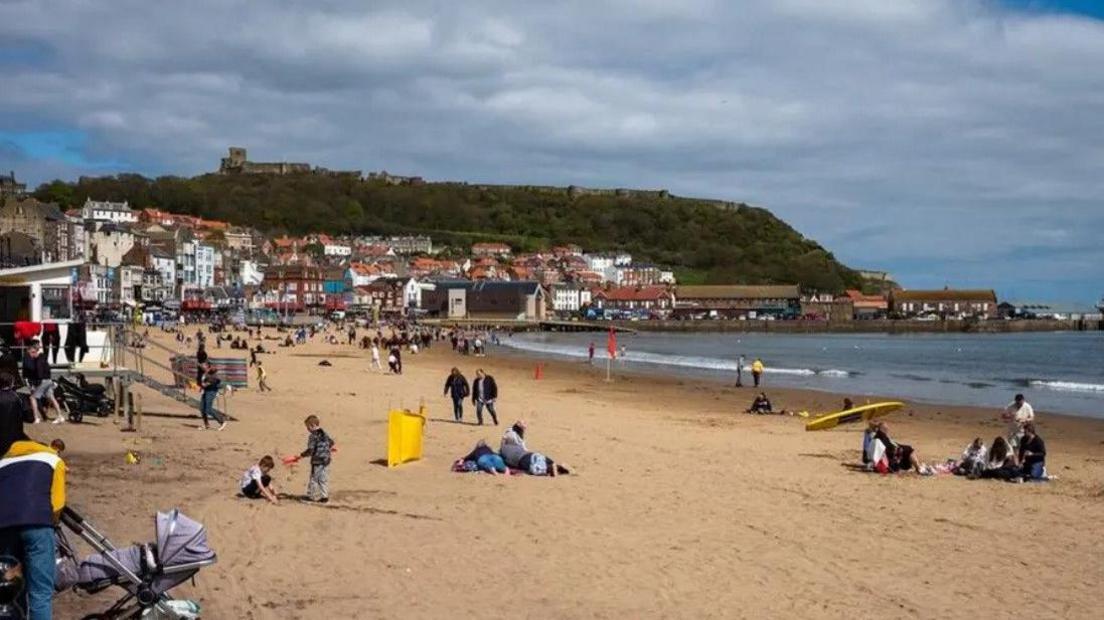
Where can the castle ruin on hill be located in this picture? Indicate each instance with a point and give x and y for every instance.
(238, 163)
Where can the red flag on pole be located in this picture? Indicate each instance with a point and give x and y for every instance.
(611, 343)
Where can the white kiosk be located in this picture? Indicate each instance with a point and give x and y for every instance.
(44, 294)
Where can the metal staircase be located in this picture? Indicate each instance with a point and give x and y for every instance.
(138, 373)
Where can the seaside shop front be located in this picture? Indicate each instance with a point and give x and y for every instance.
(37, 302)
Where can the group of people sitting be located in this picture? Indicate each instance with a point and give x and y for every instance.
(513, 455)
(1003, 461)
(1019, 457)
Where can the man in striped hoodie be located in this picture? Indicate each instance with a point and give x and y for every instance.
(32, 483)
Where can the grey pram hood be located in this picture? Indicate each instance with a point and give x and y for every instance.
(177, 554)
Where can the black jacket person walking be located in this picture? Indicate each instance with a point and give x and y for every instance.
(484, 392)
(456, 386)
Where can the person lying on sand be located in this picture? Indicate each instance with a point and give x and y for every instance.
(517, 454)
(482, 458)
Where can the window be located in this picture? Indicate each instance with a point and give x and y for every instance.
(55, 302)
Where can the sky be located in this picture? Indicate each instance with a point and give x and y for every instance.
(951, 142)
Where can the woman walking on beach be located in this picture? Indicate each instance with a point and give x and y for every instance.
(456, 387)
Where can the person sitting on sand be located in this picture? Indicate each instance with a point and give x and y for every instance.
(1001, 464)
(517, 454)
(484, 459)
(900, 457)
(761, 405)
(257, 483)
(973, 459)
(1032, 454)
(868, 443)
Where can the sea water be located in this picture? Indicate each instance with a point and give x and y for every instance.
(1057, 371)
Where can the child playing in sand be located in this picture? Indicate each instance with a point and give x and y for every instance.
(256, 483)
(319, 447)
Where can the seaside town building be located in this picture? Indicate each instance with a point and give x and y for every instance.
(500, 250)
(41, 221)
(944, 303)
(10, 188)
(569, 297)
(106, 211)
(652, 300)
(737, 301)
(486, 300)
(868, 306)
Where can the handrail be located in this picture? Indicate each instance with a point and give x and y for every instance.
(140, 360)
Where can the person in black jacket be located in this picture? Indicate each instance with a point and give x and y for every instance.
(456, 386)
(1032, 454)
(484, 393)
(201, 361)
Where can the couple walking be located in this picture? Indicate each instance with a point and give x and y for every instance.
(483, 392)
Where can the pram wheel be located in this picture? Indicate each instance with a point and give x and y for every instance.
(75, 415)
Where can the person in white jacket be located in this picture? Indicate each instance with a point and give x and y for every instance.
(1016, 414)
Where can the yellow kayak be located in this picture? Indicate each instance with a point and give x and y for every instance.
(855, 414)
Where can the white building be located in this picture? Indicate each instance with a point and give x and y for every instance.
(204, 265)
(109, 244)
(569, 297)
(127, 278)
(165, 264)
(250, 273)
(411, 245)
(104, 211)
(336, 249)
(605, 262)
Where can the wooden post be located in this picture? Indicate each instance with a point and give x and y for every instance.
(609, 363)
(138, 412)
(117, 396)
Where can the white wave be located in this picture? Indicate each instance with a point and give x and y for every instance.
(687, 361)
(1068, 386)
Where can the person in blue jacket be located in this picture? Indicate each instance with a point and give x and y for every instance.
(32, 485)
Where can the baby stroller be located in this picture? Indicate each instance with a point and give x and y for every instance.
(80, 397)
(145, 572)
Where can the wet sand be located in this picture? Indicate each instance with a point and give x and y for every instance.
(679, 506)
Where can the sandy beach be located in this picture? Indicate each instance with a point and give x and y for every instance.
(679, 506)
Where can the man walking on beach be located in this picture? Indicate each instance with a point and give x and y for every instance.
(757, 370)
(484, 394)
(456, 386)
(1016, 415)
(590, 353)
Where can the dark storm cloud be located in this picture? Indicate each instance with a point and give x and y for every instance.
(969, 135)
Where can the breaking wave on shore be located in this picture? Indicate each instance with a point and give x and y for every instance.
(658, 359)
(1067, 386)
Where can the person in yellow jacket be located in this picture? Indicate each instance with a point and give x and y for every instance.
(757, 371)
(32, 485)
